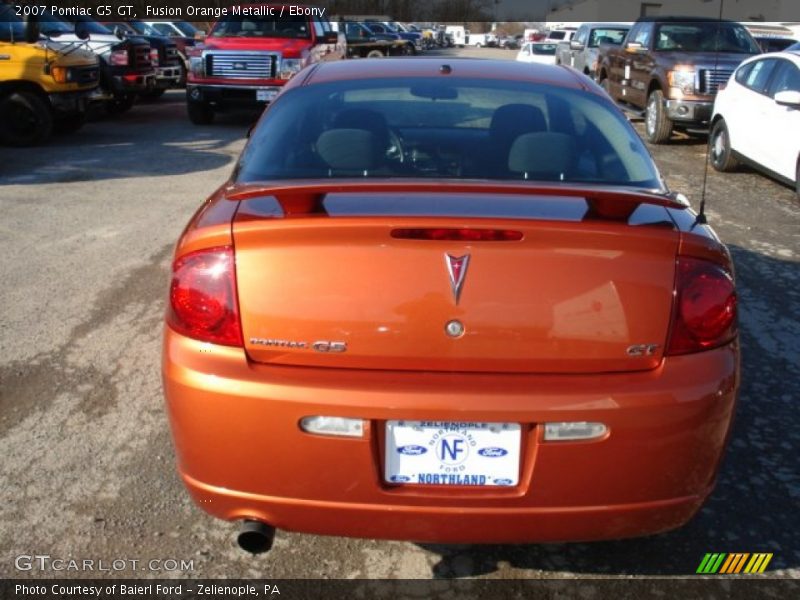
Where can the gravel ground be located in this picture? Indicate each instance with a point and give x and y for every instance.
(89, 222)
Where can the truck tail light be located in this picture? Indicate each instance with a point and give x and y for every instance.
(202, 297)
(119, 58)
(705, 311)
(154, 56)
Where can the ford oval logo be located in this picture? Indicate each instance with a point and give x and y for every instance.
(492, 452)
(502, 482)
(412, 450)
(400, 478)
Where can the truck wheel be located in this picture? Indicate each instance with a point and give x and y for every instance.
(200, 113)
(657, 125)
(722, 158)
(797, 179)
(375, 54)
(25, 119)
(120, 104)
(70, 123)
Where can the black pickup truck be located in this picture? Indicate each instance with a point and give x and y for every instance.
(668, 69)
(163, 55)
(126, 68)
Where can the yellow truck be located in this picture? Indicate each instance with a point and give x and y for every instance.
(44, 85)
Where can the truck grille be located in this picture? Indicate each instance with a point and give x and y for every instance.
(711, 79)
(86, 75)
(140, 56)
(258, 65)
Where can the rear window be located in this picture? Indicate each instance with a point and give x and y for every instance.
(543, 49)
(459, 129)
(263, 27)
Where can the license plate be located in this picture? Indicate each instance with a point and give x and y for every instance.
(445, 453)
(266, 94)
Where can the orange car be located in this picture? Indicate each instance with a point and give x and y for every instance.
(449, 303)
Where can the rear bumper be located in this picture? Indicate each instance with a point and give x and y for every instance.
(242, 455)
(131, 83)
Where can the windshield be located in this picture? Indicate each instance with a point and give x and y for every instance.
(705, 37)
(462, 129)
(11, 26)
(186, 29)
(264, 27)
(145, 29)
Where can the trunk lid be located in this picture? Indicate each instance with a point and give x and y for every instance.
(572, 296)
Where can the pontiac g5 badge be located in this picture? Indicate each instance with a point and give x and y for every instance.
(457, 270)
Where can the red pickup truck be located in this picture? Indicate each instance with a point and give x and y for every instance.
(252, 52)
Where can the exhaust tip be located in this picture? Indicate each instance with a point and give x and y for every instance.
(255, 537)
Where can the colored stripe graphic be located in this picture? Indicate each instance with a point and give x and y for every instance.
(728, 564)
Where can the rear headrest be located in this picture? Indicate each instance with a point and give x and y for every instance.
(542, 155)
(512, 119)
(349, 149)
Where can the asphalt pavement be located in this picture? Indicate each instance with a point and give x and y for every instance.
(88, 225)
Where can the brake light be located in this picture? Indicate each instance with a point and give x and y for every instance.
(118, 58)
(458, 235)
(202, 297)
(705, 307)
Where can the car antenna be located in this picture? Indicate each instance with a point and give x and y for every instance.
(701, 214)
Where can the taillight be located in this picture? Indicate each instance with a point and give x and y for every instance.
(202, 297)
(705, 307)
(118, 58)
(154, 56)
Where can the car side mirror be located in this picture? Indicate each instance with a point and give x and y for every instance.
(634, 47)
(576, 45)
(679, 198)
(31, 29)
(788, 98)
(119, 32)
(81, 31)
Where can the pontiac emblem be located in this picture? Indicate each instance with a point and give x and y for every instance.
(240, 66)
(457, 270)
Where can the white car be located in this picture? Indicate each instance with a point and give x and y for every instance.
(538, 52)
(756, 118)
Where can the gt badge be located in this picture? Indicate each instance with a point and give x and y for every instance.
(457, 270)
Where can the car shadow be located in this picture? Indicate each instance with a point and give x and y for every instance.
(153, 139)
(754, 505)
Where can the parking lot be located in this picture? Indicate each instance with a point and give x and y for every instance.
(89, 223)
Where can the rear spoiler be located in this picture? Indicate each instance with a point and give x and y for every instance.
(306, 197)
